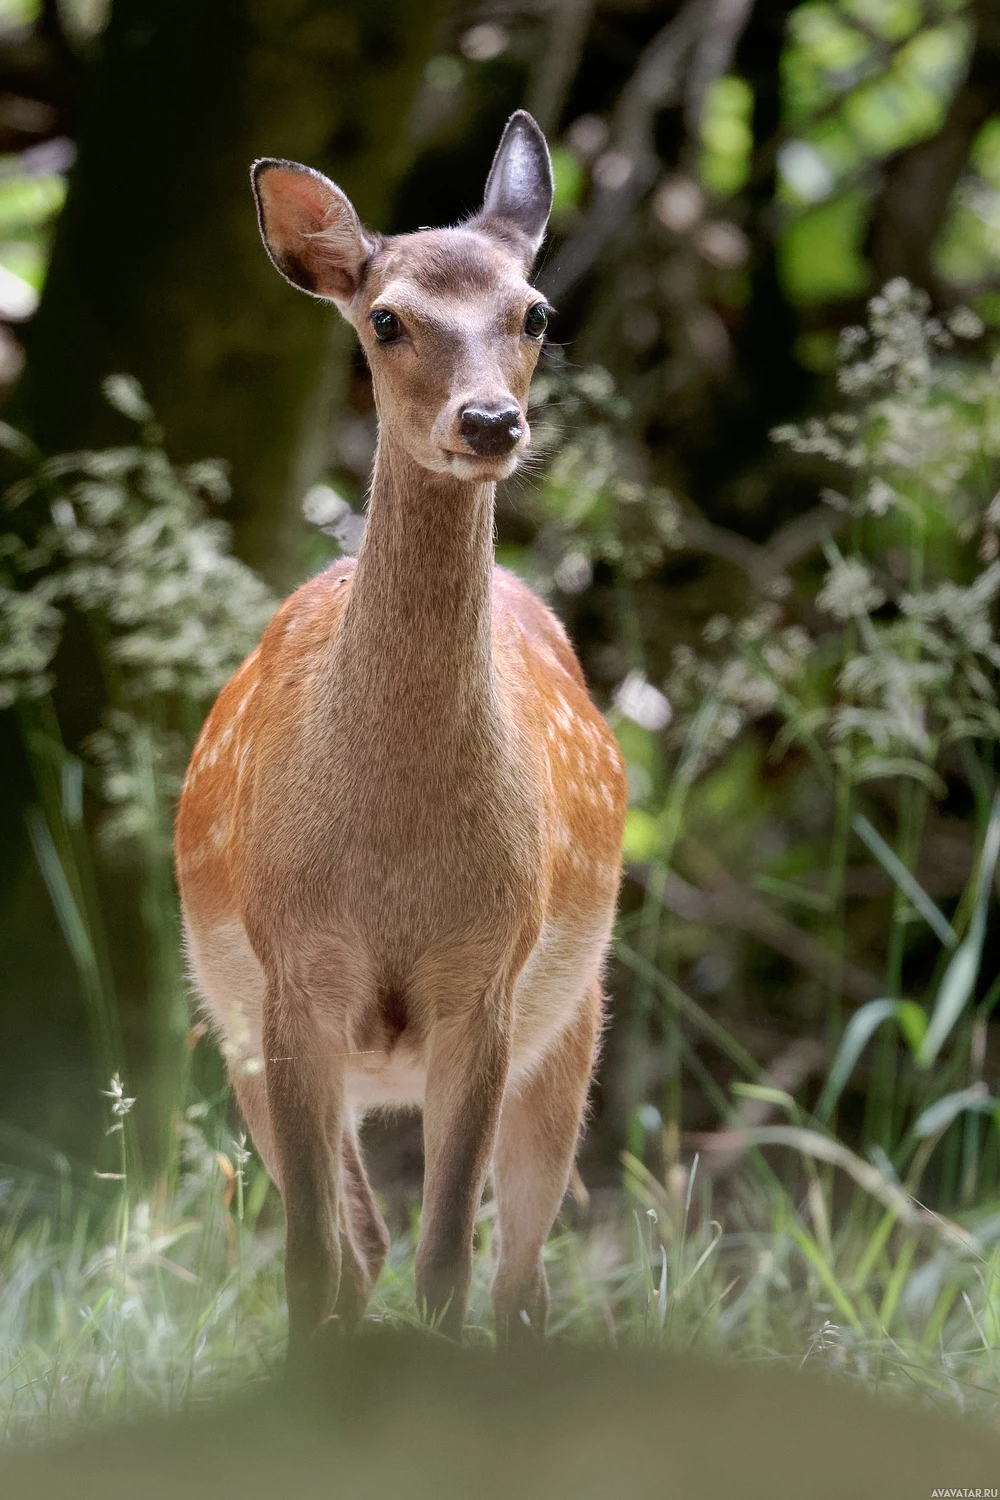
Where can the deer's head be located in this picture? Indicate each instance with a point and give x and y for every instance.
(449, 322)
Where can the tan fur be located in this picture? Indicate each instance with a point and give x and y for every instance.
(398, 841)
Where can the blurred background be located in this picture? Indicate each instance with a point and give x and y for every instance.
(766, 506)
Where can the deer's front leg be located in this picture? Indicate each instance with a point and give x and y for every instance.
(305, 1104)
(466, 1074)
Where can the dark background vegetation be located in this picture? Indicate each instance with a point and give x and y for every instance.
(734, 179)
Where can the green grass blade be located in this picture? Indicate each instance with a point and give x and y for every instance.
(939, 1115)
(911, 888)
(814, 1255)
(71, 920)
(688, 1008)
(960, 977)
(857, 1034)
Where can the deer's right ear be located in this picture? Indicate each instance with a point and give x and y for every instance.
(310, 229)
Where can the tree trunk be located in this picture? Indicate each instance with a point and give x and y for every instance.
(158, 268)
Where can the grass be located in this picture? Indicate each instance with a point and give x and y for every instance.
(112, 1306)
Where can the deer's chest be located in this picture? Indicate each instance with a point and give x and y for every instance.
(406, 849)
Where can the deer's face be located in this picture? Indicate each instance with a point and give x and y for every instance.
(452, 331)
(450, 324)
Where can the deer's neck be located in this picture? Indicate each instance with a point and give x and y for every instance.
(414, 651)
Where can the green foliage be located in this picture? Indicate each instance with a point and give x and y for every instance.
(819, 255)
(861, 82)
(127, 545)
(121, 543)
(906, 674)
(857, 691)
(593, 506)
(726, 136)
(171, 612)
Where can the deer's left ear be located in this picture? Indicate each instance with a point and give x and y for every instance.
(519, 188)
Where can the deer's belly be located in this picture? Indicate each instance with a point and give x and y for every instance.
(228, 977)
(563, 965)
(566, 960)
(385, 1080)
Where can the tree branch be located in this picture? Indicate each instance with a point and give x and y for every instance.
(567, 36)
(707, 31)
(791, 542)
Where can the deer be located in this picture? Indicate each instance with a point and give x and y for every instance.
(398, 844)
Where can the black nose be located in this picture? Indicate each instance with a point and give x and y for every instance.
(491, 433)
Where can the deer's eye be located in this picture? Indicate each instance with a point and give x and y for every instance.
(386, 325)
(536, 320)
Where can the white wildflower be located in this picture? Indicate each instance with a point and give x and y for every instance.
(849, 590)
(641, 702)
(965, 324)
(323, 506)
(573, 573)
(880, 497)
(120, 1105)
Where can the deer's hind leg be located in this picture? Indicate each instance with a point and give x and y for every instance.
(364, 1238)
(536, 1144)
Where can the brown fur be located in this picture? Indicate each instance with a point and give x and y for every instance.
(398, 841)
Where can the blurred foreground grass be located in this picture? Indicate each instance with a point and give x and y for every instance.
(126, 1306)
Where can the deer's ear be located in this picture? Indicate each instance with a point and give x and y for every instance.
(310, 229)
(519, 188)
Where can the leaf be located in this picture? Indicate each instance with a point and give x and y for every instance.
(885, 767)
(71, 919)
(868, 1177)
(911, 888)
(939, 1115)
(769, 1095)
(960, 977)
(858, 1032)
(912, 1020)
(814, 1255)
(17, 443)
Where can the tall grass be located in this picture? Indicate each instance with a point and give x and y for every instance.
(852, 700)
(126, 1304)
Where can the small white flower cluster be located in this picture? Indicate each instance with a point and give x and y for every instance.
(120, 1104)
(766, 662)
(849, 590)
(30, 626)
